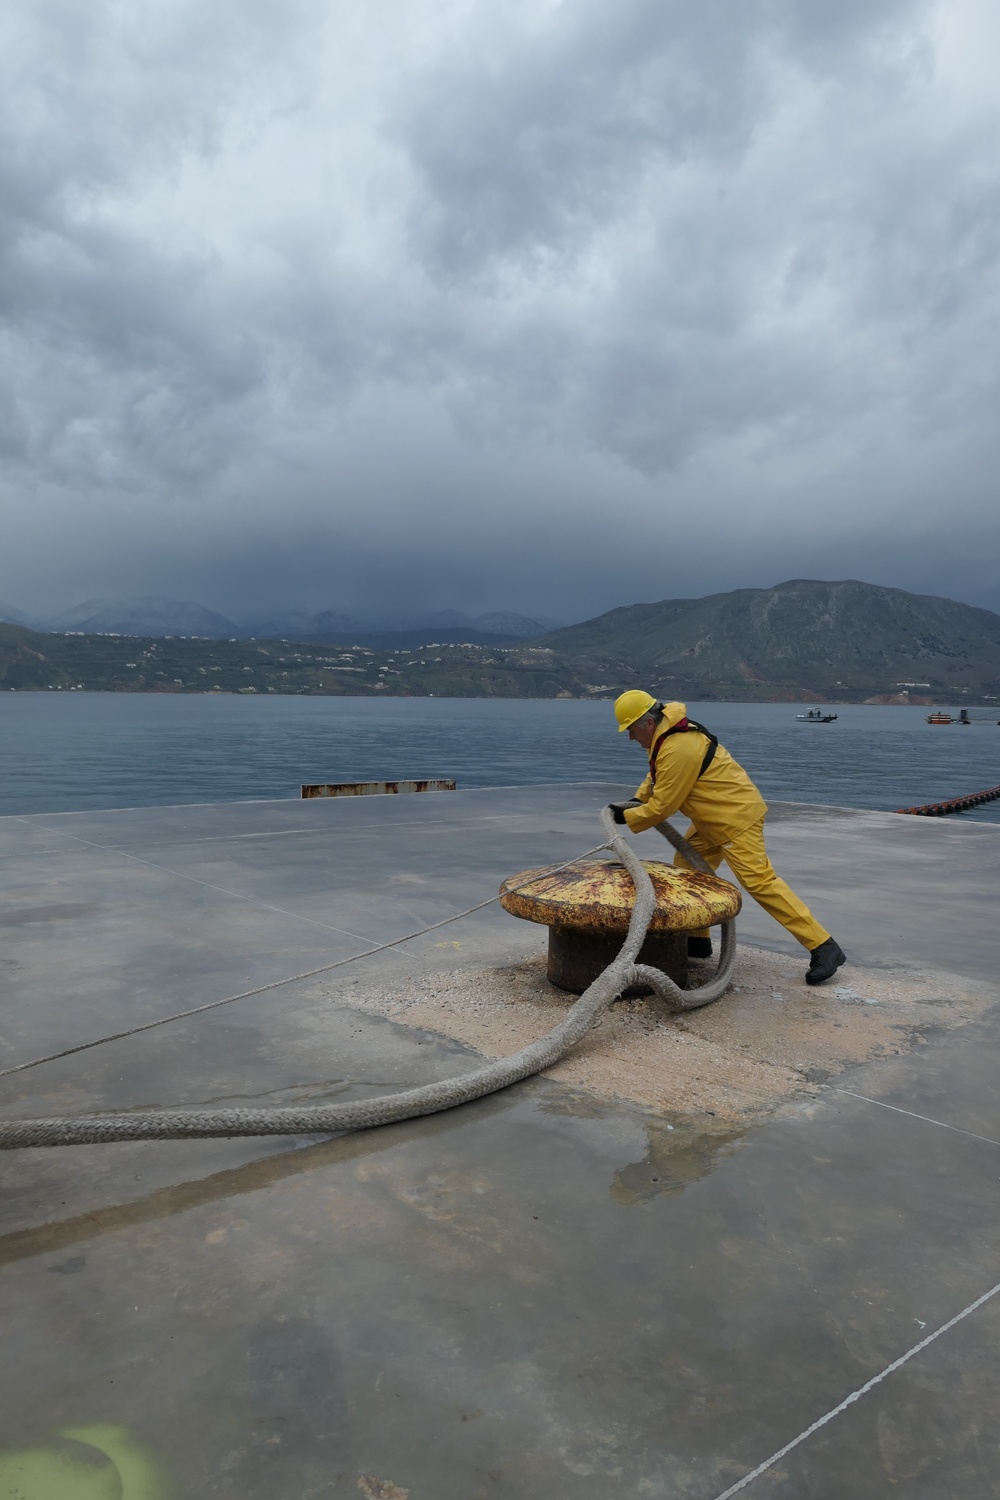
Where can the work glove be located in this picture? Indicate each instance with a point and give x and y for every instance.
(618, 810)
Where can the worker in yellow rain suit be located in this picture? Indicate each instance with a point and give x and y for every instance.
(690, 772)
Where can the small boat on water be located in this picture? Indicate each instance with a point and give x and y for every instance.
(939, 716)
(816, 716)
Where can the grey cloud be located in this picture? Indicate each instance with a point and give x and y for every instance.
(746, 279)
(529, 146)
(534, 306)
(540, 136)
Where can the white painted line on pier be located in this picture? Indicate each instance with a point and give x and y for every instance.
(862, 1390)
(912, 1114)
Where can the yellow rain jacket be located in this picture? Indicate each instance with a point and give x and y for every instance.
(721, 801)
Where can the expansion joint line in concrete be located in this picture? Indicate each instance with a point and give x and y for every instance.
(275, 984)
(869, 1385)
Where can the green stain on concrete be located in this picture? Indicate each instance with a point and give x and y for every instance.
(99, 1462)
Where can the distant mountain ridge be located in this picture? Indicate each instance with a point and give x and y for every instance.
(338, 627)
(151, 616)
(804, 637)
(11, 616)
(154, 616)
(803, 641)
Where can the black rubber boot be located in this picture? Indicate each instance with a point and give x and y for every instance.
(825, 961)
(699, 947)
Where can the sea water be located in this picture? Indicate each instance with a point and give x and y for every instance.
(70, 751)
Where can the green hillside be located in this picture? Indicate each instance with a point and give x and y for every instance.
(69, 662)
(846, 640)
(25, 660)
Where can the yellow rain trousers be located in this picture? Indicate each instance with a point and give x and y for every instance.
(727, 817)
(747, 858)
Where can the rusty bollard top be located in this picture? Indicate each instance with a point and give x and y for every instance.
(597, 895)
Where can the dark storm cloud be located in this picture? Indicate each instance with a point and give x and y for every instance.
(535, 305)
(743, 200)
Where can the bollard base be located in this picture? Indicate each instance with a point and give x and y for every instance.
(576, 958)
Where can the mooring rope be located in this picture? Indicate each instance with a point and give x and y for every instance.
(363, 1114)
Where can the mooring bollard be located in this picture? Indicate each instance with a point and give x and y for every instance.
(586, 907)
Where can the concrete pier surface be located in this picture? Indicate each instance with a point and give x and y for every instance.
(545, 1294)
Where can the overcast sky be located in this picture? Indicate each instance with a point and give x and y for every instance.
(497, 303)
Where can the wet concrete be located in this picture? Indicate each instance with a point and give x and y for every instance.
(539, 1295)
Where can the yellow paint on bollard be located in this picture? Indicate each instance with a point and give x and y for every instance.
(597, 896)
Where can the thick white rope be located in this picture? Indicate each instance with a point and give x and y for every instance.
(362, 1114)
(716, 987)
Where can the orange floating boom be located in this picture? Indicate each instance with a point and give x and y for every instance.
(954, 805)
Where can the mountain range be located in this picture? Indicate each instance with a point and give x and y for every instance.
(803, 641)
(159, 617)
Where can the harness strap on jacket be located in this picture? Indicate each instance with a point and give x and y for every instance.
(685, 726)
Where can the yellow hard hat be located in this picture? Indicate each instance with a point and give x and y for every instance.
(631, 706)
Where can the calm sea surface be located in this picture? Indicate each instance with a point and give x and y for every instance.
(67, 752)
